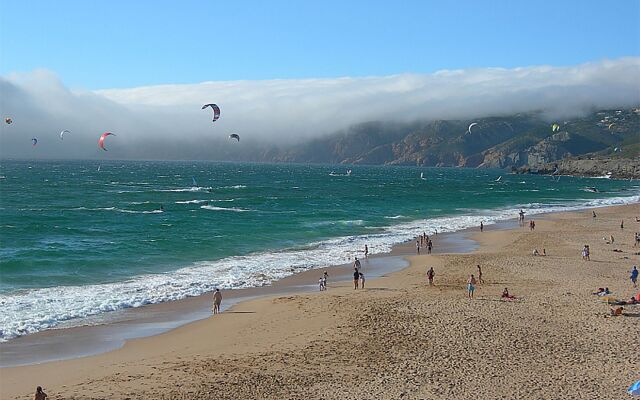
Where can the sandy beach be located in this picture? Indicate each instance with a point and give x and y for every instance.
(400, 338)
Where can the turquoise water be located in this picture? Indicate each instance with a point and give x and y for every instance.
(81, 238)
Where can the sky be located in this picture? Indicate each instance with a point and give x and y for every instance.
(290, 70)
(117, 44)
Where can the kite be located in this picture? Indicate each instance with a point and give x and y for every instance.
(62, 134)
(35, 141)
(8, 121)
(101, 140)
(234, 136)
(471, 126)
(216, 111)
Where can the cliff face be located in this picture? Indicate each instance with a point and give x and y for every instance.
(498, 142)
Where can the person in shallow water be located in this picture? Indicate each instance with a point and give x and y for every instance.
(217, 300)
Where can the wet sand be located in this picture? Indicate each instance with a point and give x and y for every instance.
(400, 338)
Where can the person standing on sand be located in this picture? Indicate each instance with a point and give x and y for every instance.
(40, 395)
(217, 300)
(418, 246)
(480, 280)
(361, 280)
(430, 275)
(471, 286)
(481, 226)
(622, 224)
(326, 277)
(356, 278)
(429, 246)
(366, 251)
(634, 276)
(356, 264)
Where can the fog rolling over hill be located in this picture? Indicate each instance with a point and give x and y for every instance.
(167, 122)
(502, 142)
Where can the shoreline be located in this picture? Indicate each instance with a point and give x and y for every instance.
(29, 311)
(65, 343)
(273, 325)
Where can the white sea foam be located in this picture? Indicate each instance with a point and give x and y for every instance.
(31, 311)
(233, 187)
(190, 189)
(191, 201)
(214, 208)
(139, 212)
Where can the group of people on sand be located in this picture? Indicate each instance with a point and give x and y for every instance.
(322, 282)
(358, 277)
(586, 253)
(537, 253)
(424, 241)
(472, 282)
(634, 300)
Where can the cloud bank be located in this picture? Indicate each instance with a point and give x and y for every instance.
(166, 122)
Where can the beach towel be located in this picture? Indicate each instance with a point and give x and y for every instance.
(634, 390)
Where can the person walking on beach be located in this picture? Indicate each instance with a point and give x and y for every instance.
(40, 395)
(429, 246)
(480, 280)
(430, 275)
(361, 280)
(594, 215)
(418, 246)
(622, 224)
(637, 241)
(217, 300)
(585, 253)
(366, 251)
(481, 226)
(471, 286)
(326, 278)
(356, 278)
(521, 217)
(356, 264)
(634, 276)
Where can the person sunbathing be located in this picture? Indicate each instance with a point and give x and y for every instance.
(616, 312)
(602, 292)
(626, 302)
(506, 295)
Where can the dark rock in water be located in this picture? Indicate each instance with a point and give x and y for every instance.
(621, 168)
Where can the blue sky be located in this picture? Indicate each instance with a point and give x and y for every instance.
(110, 44)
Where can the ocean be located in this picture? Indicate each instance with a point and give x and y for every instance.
(84, 238)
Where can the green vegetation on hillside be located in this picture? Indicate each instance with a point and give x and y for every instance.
(513, 141)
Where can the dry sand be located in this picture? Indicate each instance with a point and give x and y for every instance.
(400, 338)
